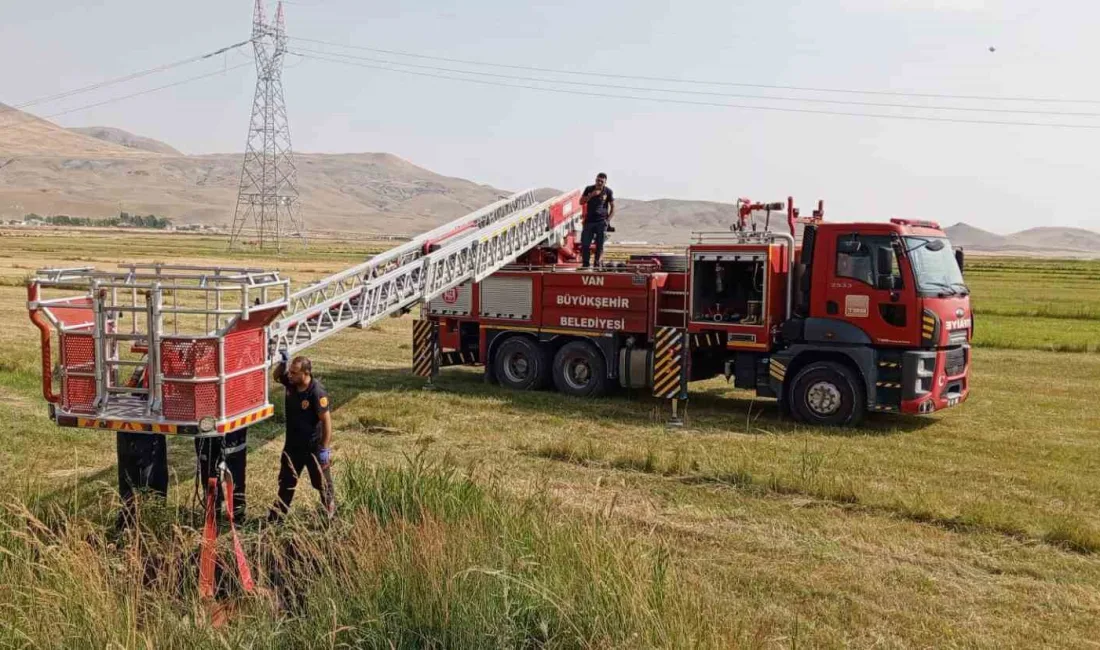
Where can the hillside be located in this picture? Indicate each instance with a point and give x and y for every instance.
(46, 169)
(375, 192)
(126, 139)
(1047, 237)
(22, 134)
(1046, 241)
(96, 171)
(967, 236)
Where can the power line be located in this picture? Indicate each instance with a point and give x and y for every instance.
(812, 100)
(895, 93)
(129, 77)
(667, 100)
(130, 96)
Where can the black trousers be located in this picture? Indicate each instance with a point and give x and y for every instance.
(292, 461)
(142, 466)
(596, 231)
(233, 447)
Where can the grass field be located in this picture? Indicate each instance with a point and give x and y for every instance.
(477, 517)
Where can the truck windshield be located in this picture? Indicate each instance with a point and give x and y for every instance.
(935, 271)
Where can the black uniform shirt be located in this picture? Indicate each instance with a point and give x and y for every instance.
(303, 413)
(597, 205)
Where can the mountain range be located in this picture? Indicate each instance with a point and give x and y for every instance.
(1046, 240)
(99, 171)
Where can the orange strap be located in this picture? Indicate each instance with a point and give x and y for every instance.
(238, 550)
(209, 539)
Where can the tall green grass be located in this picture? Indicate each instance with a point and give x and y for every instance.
(1051, 305)
(1037, 333)
(419, 557)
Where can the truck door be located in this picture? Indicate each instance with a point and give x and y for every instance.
(866, 285)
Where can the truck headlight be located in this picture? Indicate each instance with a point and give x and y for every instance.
(206, 425)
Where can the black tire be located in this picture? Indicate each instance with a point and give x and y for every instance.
(827, 393)
(580, 370)
(520, 363)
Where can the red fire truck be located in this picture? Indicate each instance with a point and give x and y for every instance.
(854, 317)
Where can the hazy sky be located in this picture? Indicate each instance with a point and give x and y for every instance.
(1002, 178)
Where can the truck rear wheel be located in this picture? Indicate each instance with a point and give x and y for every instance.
(580, 370)
(827, 393)
(521, 364)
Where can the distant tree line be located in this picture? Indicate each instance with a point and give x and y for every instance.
(123, 220)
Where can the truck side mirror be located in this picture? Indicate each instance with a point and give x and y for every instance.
(959, 258)
(884, 268)
(884, 261)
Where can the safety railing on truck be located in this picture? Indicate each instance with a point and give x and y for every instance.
(157, 348)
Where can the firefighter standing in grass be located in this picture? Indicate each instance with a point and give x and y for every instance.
(308, 435)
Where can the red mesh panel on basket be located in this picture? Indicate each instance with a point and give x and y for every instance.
(78, 352)
(244, 349)
(189, 358)
(78, 355)
(79, 394)
(190, 402)
(244, 393)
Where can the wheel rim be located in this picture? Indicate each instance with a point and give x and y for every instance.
(578, 373)
(823, 398)
(517, 367)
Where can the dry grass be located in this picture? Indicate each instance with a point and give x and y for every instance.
(976, 527)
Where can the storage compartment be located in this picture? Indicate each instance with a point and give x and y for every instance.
(506, 297)
(728, 288)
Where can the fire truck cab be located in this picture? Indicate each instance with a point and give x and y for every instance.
(881, 315)
(856, 317)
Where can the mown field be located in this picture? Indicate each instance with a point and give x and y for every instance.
(1036, 304)
(476, 517)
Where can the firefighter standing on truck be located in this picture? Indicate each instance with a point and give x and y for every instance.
(599, 203)
(308, 435)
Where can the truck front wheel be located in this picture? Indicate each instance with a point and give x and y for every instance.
(579, 370)
(521, 364)
(827, 393)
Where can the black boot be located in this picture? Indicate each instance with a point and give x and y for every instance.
(142, 466)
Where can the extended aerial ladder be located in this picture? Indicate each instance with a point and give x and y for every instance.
(201, 338)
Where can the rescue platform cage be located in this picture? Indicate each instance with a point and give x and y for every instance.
(157, 348)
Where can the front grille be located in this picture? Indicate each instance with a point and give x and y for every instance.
(957, 337)
(955, 362)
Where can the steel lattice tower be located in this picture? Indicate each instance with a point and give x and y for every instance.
(268, 195)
